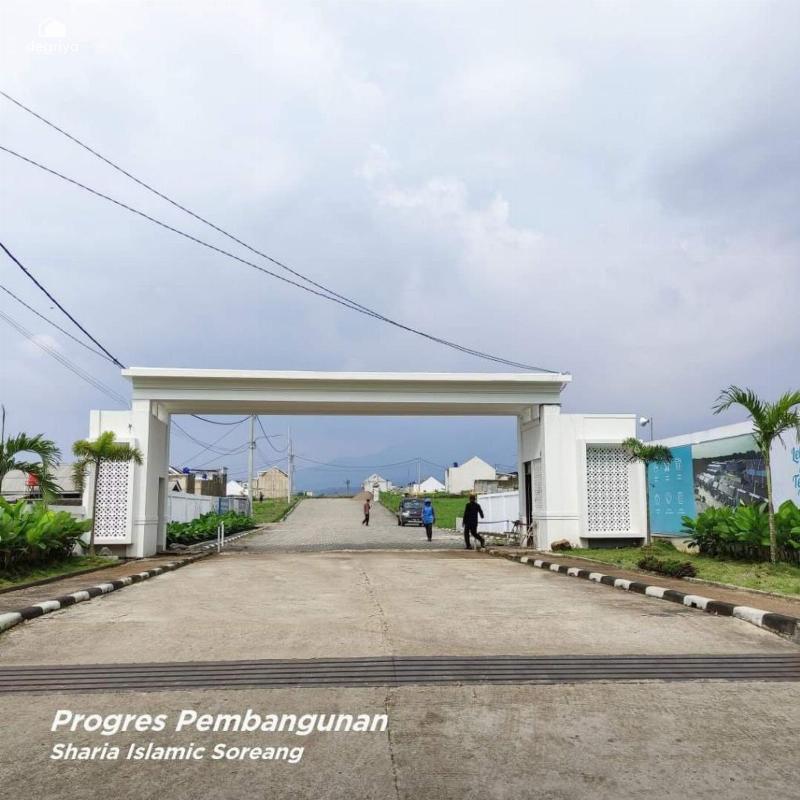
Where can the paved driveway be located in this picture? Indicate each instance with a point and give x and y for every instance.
(335, 524)
(700, 740)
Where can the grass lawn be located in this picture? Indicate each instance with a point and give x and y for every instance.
(52, 570)
(782, 578)
(271, 510)
(447, 507)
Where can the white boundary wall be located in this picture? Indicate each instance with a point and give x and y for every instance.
(184, 507)
(500, 511)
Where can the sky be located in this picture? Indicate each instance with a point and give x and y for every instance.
(608, 189)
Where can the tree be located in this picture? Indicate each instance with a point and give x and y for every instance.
(647, 454)
(770, 422)
(90, 454)
(12, 447)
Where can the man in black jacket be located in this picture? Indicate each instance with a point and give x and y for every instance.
(471, 513)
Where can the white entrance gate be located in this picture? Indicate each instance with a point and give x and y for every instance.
(557, 441)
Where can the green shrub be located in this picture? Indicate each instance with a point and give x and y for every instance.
(743, 532)
(30, 533)
(673, 567)
(205, 527)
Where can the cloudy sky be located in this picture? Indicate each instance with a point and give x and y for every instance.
(605, 188)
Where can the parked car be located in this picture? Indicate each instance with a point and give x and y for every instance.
(409, 511)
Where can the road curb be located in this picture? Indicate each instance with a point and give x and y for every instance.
(768, 620)
(9, 619)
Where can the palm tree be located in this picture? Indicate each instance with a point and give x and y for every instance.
(647, 454)
(14, 446)
(770, 422)
(90, 453)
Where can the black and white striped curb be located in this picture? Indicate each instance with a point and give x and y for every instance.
(776, 623)
(11, 618)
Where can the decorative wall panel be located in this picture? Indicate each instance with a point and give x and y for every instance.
(607, 490)
(111, 512)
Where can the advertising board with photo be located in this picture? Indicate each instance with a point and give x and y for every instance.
(717, 473)
(728, 473)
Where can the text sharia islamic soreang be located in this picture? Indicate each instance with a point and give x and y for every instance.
(189, 721)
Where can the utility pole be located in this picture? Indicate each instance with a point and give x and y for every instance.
(289, 466)
(250, 461)
(419, 476)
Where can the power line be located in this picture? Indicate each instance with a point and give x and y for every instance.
(207, 446)
(55, 325)
(175, 203)
(352, 303)
(64, 310)
(326, 294)
(64, 361)
(215, 421)
(268, 437)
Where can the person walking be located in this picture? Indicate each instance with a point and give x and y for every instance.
(428, 517)
(365, 521)
(471, 513)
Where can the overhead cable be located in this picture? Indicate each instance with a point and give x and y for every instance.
(64, 310)
(55, 325)
(325, 294)
(64, 361)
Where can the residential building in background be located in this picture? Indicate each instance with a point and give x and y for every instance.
(375, 480)
(208, 482)
(504, 482)
(271, 483)
(236, 489)
(459, 479)
(429, 486)
(18, 484)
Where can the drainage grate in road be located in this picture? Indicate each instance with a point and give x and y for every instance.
(396, 671)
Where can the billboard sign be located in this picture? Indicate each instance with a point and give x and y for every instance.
(715, 471)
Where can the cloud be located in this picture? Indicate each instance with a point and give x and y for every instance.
(605, 188)
(508, 84)
(488, 243)
(33, 347)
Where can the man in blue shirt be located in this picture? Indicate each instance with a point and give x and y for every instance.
(428, 517)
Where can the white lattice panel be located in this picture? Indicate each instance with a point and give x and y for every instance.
(111, 511)
(536, 480)
(608, 505)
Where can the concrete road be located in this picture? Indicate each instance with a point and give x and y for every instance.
(603, 740)
(335, 524)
